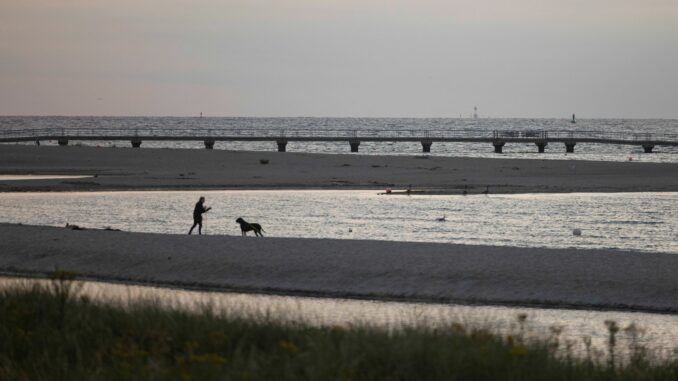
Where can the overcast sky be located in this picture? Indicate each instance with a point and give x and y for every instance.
(388, 58)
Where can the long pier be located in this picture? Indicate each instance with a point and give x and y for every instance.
(498, 138)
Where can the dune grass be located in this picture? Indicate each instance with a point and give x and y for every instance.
(52, 333)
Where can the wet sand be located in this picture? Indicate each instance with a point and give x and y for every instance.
(149, 168)
(607, 279)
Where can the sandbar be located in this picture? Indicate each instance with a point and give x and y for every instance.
(408, 271)
(187, 169)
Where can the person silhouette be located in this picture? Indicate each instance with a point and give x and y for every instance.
(197, 215)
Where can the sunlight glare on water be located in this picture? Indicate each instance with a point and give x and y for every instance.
(632, 221)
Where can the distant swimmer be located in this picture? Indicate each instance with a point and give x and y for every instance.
(197, 215)
(441, 219)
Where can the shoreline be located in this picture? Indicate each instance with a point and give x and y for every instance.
(353, 269)
(117, 169)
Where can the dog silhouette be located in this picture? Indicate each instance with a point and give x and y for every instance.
(246, 227)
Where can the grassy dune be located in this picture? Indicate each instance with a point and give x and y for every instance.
(52, 333)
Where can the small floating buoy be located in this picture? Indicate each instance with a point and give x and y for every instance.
(576, 232)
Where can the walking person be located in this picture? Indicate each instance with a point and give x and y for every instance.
(197, 215)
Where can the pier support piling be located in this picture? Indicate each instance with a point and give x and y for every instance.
(136, 143)
(209, 143)
(282, 145)
(569, 147)
(426, 145)
(354, 145)
(62, 141)
(647, 147)
(498, 146)
(541, 146)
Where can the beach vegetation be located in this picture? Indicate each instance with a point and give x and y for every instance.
(52, 332)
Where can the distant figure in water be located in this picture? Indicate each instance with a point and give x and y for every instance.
(197, 215)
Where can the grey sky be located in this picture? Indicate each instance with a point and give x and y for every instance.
(425, 58)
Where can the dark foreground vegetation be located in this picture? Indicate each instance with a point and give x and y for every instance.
(52, 333)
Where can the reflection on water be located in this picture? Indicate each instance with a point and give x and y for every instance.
(633, 221)
(659, 333)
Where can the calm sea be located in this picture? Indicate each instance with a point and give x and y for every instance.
(583, 151)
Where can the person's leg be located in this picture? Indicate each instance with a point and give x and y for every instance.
(193, 227)
(200, 227)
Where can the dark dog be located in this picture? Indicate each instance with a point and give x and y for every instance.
(246, 227)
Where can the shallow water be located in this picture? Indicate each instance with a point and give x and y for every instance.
(38, 177)
(632, 221)
(659, 333)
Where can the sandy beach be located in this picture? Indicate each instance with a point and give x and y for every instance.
(148, 168)
(350, 268)
(339, 268)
